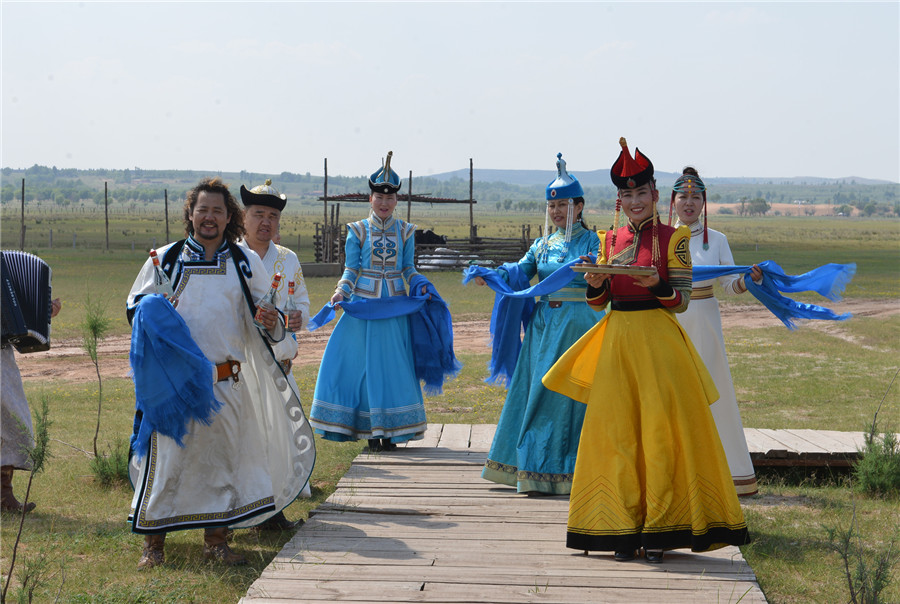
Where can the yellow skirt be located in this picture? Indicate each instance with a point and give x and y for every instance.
(650, 471)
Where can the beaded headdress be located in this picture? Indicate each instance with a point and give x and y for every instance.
(688, 182)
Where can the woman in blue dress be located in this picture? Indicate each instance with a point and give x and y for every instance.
(367, 386)
(537, 436)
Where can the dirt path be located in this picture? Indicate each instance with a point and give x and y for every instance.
(67, 360)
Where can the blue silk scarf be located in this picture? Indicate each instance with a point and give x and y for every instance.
(430, 323)
(173, 382)
(828, 281)
(513, 307)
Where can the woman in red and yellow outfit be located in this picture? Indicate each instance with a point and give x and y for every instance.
(650, 472)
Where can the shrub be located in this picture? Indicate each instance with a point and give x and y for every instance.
(878, 472)
(112, 468)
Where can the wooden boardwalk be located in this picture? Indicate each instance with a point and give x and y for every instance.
(420, 525)
(803, 447)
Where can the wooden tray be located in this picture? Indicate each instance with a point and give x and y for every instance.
(613, 269)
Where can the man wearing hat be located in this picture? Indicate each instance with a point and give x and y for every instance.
(263, 205)
(220, 437)
(262, 216)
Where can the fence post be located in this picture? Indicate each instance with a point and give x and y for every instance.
(106, 210)
(22, 230)
(167, 215)
(51, 239)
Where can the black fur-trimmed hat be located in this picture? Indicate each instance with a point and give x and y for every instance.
(263, 195)
(628, 173)
(385, 180)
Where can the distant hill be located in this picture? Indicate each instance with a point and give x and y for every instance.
(663, 179)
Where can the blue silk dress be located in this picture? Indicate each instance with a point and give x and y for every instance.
(537, 436)
(367, 387)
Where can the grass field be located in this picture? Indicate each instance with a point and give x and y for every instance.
(813, 378)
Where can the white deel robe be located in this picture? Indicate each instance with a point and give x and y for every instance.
(258, 453)
(279, 259)
(703, 324)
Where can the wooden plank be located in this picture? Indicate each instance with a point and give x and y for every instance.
(484, 508)
(296, 557)
(502, 575)
(482, 436)
(824, 441)
(455, 436)
(791, 442)
(852, 441)
(432, 436)
(611, 592)
(760, 444)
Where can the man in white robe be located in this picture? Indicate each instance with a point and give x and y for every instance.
(256, 455)
(262, 216)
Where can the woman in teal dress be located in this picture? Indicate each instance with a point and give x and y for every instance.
(367, 385)
(537, 436)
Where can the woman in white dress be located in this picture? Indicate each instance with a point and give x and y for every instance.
(703, 323)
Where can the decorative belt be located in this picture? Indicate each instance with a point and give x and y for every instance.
(559, 303)
(702, 293)
(228, 369)
(632, 305)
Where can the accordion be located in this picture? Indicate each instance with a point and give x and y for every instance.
(25, 301)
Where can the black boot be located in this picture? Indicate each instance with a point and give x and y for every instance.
(279, 523)
(374, 445)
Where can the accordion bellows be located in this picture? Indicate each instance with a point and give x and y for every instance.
(26, 301)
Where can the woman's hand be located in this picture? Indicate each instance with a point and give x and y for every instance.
(756, 274)
(647, 281)
(480, 281)
(596, 280)
(55, 306)
(337, 298)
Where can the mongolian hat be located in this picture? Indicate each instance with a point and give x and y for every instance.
(565, 186)
(628, 172)
(385, 180)
(263, 195)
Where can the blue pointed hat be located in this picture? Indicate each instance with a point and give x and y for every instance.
(565, 186)
(385, 180)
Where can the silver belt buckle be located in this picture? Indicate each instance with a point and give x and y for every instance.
(235, 378)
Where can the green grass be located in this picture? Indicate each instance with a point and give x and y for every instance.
(790, 553)
(780, 376)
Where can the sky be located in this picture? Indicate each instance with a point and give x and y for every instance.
(737, 89)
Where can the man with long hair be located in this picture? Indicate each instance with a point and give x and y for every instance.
(220, 439)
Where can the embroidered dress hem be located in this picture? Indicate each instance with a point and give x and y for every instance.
(527, 482)
(715, 537)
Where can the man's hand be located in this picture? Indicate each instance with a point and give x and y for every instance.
(267, 316)
(55, 307)
(295, 320)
